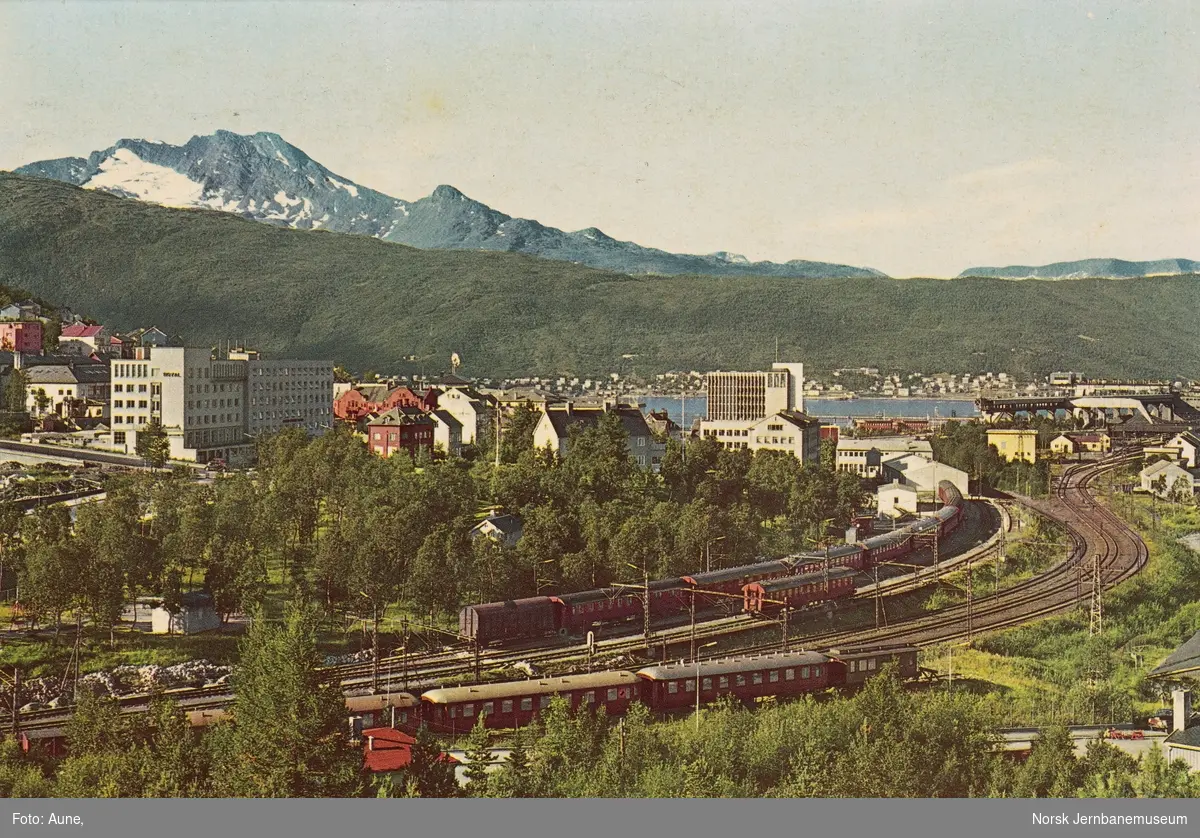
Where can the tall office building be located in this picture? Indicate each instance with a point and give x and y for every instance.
(746, 396)
(213, 405)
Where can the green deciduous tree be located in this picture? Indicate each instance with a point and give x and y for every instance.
(152, 444)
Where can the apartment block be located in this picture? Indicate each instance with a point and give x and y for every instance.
(213, 405)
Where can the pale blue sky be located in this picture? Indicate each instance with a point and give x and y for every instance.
(919, 138)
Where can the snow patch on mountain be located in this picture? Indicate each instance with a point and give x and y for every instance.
(126, 173)
(264, 178)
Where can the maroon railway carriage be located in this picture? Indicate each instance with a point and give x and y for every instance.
(579, 613)
(529, 617)
(673, 686)
(798, 591)
(722, 588)
(854, 666)
(456, 709)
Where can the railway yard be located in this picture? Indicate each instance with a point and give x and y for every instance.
(1102, 553)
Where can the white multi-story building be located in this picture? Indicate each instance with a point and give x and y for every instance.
(756, 410)
(747, 396)
(210, 406)
(287, 394)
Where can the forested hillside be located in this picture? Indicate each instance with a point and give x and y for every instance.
(362, 302)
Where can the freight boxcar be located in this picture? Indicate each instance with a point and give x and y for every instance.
(529, 617)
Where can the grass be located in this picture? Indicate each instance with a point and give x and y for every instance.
(1055, 670)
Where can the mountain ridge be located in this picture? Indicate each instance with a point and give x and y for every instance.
(364, 303)
(1089, 269)
(264, 178)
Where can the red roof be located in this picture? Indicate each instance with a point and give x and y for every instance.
(79, 330)
(388, 749)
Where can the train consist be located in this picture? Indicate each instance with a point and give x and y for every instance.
(663, 688)
(795, 581)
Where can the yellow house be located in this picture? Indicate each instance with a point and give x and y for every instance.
(1062, 444)
(1014, 444)
(1099, 443)
(1076, 443)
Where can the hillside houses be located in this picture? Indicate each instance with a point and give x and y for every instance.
(555, 426)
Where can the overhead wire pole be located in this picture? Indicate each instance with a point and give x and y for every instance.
(970, 603)
(1096, 624)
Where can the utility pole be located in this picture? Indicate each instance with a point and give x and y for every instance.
(783, 618)
(970, 602)
(646, 607)
(936, 567)
(404, 626)
(1097, 622)
(1079, 585)
(477, 659)
(878, 600)
(16, 716)
(374, 648)
(692, 649)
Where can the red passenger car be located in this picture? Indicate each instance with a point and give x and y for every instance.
(798, 591)
(515, 703)
(854, 666)
(673, 686)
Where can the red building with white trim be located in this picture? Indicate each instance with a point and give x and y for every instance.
(401, 429)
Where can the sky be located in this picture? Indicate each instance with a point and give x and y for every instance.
(918, 138)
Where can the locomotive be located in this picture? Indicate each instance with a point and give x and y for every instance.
(577, 613)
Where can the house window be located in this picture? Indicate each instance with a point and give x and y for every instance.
(119, 437)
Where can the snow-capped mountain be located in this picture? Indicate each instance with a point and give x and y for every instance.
(1090, 269)
(264, 178)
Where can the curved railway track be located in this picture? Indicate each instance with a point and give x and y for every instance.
(1096, 534)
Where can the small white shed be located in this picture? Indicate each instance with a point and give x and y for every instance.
(196, 614)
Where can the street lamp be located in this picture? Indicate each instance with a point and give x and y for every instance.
(374, 643)
(705, 646)
(708, 552)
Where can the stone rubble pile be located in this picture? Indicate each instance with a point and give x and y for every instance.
(120, 681)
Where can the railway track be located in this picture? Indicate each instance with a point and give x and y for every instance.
(1095, 533)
